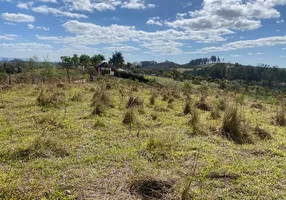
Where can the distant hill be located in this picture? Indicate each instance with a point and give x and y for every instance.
(167, 65)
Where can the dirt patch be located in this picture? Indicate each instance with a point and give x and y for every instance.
(150, 188)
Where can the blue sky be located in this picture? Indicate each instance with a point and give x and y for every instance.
(245, 31)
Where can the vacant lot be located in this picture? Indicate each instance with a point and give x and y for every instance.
(119, 139)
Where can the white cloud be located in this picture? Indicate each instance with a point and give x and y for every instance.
(8, 37)
(26, 5)
(48, 10)
(85, 5)
(235, 55)
(10, 24)
(43, 28)
(18, 17)
(106, 5)
(280, 21)
(155, 21)
(121, 48)
(31, 26)
(245, 44)
(48, 1)
(229, 14)
(136, 4)
(26, 46)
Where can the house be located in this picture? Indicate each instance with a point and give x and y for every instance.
(105, 69)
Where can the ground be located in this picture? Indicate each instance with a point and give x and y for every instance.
(59, 147)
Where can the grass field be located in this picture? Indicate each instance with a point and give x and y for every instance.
(70, 142)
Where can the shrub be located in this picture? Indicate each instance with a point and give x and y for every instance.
(233, 128)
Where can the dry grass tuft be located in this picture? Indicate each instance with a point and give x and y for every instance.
(153, 98)
(280, 118)
(47, 98)
(99, 110)
(102, 97)
(257, 106)
(233, 128)
(262, 134)
(202, 105)
(129, 117)
(77, 97)
(148, 188)
(134, 102)
(40, 148)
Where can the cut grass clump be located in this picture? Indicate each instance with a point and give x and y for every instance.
(280, 118)
(153, 99)
(195, 121)
(49, 98)
(102, 97)
(134, 102)
(129, 117)
(77, 97)
(262, 134)
(41, 147)
(202, 105)
(233, 127)
(187, 108)
(148, 188)
(99, 110)
(98, 124)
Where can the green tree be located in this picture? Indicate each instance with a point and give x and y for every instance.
(67, 63)
(97, 59)
(85, 61)
(75, 60)
(117, 60)
(32, 65)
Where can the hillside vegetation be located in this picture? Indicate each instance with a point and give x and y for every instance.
(120, 139)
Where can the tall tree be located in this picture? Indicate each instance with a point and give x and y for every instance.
(97, 59)
(32, 65)
(67, 63)
(117, 60)
(75, 60)
(84, 61)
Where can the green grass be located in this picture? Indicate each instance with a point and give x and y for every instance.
(62, 151)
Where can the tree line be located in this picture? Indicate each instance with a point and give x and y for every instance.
(76, 66)
(204, 61)
(264, 74)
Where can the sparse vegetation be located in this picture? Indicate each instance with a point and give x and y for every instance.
(90, 141)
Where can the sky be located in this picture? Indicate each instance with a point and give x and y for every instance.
(244, 31)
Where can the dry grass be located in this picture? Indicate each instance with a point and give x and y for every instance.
(134, 102)
(233, 127)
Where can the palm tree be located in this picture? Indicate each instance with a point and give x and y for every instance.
(117, 60)
(97, 59)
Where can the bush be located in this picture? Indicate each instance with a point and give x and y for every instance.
(99, 110)
(280, 118)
